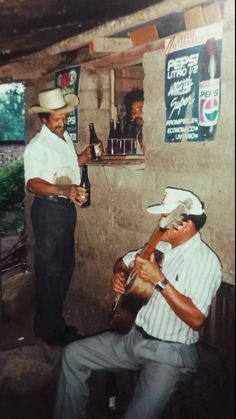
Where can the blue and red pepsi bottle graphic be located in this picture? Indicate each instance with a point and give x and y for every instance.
(209, 90)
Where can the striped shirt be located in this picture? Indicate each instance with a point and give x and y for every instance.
(196, 272)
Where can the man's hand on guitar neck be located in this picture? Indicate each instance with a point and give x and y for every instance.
(148, 270)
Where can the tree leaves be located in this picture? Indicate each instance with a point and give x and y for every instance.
(12, 112)
(12, 196)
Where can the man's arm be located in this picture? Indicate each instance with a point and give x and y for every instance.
(120, 273)
(42, 187)
(181, 305)
(184, 307)
(84, 156)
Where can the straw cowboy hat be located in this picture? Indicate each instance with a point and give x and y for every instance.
(52, 100)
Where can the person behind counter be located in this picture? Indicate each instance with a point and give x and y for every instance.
(162, 343)
(134, 101)
(52, 174)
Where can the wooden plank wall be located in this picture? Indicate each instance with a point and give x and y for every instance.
(218, 333)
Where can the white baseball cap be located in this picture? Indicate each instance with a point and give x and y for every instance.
(174, 197)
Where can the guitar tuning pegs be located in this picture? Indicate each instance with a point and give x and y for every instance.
(178, 222)
(188, 204)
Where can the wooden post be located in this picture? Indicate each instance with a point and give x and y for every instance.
(113, 109)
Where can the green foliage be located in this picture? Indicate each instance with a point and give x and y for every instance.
(12, 112)
(12, 197)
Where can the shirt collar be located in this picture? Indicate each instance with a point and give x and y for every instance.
(49, 134)
(187, 246)
(190, 244)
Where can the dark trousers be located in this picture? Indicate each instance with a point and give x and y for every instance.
(53, 225)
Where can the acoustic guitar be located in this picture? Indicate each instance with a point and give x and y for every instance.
(137, 291)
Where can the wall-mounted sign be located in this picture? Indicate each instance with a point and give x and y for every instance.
(192, 84)
(68, 80)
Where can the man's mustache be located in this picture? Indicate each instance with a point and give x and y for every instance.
(60, 126)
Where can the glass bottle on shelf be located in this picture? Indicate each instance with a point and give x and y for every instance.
(111, 142)
(111, 394)
(131, 140)
(96, 146)
(119, 142)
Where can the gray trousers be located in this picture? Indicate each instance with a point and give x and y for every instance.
(162, 367)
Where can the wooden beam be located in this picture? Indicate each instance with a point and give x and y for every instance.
(112, 44)
(118, 25)
(38, 68)
(30, 70)
(212, 13)
(143, 35)
(112, 27)
(194, 18)
(125, 58)
(199, 16)
(48, 60)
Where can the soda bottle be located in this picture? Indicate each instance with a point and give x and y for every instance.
(131, 139)
(86, 184)
(111, 394)
(209, 91)
(95, 144)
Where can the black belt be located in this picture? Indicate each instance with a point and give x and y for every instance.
(51, 198)
(145, 335)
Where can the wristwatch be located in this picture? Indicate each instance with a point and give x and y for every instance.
(161, 285)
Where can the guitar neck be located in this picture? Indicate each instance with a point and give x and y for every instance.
(150, 246)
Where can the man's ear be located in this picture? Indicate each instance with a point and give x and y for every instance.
(188, 224)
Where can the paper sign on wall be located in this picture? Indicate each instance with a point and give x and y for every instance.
(68, 80)
(192, 84)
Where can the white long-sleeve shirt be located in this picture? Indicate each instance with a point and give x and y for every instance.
(196, 272)
(50, 158)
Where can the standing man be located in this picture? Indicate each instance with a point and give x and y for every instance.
(161, 345)
(52, 174)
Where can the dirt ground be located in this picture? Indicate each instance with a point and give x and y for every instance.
(29, 367)
(28, 391)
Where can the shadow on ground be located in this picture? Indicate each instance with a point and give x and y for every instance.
(29, 377)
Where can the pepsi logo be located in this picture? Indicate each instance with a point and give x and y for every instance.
(210, 110)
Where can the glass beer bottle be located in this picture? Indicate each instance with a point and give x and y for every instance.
(111, 142)
(111, 394)
(85, 183)
(95, 144)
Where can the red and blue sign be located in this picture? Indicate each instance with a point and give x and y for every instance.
(192, 84)
(68, 80)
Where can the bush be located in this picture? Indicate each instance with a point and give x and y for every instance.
(12, 197)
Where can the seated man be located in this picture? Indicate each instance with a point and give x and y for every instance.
(161, 344)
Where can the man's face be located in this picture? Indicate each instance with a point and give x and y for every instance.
(177, 232)
(137, 111)
(56, 122)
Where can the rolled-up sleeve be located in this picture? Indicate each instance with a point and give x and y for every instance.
(34, 163)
